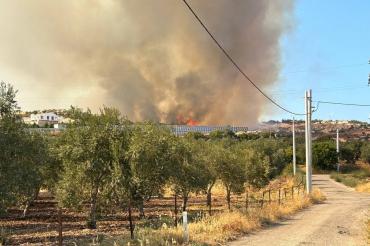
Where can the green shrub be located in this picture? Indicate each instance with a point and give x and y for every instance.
(324, 155)
(365, 152)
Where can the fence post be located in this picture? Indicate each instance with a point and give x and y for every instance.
(246, 201)
(285, 193)
(270, 196)
(299, 187)
(279, 196)
(263, 198)
(60, 227)
(175, 209)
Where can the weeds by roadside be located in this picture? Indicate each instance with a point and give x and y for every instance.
(358, 179)
(368, 231)
(363, 187)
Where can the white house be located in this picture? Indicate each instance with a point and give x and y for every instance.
(44, 118)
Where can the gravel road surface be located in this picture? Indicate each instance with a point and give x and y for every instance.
(338, 221)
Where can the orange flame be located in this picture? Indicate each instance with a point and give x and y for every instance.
(189, 121)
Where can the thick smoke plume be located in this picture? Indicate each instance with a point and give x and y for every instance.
(149, 58)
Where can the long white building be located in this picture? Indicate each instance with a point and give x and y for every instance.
(179, 130)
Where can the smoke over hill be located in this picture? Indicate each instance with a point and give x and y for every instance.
(151, 59)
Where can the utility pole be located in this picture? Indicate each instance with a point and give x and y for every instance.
(308, 111)
(294, 156)
(338, 149)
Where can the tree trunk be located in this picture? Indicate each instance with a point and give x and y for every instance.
(130, 220)
(141, 209)
(184, 201)
(36, 195)
(209, 198)
(25, 210)
(175, 209)
(246, 201)
(228, 198)
(30, 202)
(92, 214)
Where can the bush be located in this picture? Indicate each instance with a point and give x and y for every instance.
(365, 152)
(324, 155)
(288, 170)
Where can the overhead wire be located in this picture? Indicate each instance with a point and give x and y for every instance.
(327, 68)
(235, 64)
(343, 104)
(319, 90)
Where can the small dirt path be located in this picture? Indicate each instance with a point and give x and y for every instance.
(338, 221)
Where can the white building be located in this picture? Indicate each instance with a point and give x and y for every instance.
(44, 118)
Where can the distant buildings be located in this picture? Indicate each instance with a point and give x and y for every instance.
(179, 130)
(46, 119)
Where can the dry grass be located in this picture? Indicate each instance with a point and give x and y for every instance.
(227, 226)
(368, 231)
(363, 187)
(317, 196)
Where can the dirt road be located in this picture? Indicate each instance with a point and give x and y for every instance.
(338, 221)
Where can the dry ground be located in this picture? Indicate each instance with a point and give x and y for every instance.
(41, 224)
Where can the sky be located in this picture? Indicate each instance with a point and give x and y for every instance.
(328, 51)
(106, 52)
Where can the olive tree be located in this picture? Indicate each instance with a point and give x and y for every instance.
(86, 150)
(229, 166)
(148, 161)
(142, 167)
(257, 168)
(22, 159)
(189, 170)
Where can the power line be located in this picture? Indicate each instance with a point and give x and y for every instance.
(319, 90)
(340, 67)
(235, 64)
(343, 104)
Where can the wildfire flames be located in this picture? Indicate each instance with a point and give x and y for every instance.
(186, 121)
(192, 122)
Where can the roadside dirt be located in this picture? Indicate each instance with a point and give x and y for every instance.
(340, 220)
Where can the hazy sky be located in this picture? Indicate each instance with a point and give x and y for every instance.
(143, 57)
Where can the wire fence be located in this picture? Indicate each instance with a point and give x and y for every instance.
(278, 196)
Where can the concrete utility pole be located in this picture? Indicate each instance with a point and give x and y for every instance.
(308, 104)
(338, 149)
(294, 156)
